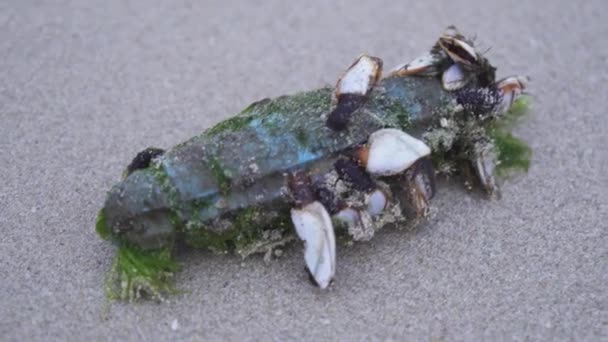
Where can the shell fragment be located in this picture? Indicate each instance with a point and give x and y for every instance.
(313, 225)
(353, 89)
(422, 66)
(361, 77)
(392, 151)
(376, 202)
(454, 78)
(510, 88)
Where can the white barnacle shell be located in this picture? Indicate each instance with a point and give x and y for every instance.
(360, 223)
(360, 77)
(313, 225)
(423, 66)
(510, 88)
(392, 151)
(459, 50)
(376, 202)
(349, 216)
(454, 78)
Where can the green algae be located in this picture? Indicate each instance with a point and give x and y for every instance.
(198, 236)
(101, 226)
(137, 273)
(249, 109)
(398, 111)
(519, 109)
(403, 119)
(513, 153)
(271, 125)
(256, 233)
(230, 125)
(317, 100)
(165, 183)
(392, 109)
(201, 204)
(222, 177)
(175, 220)
(245, 227)
(248, 227)
(302, 137)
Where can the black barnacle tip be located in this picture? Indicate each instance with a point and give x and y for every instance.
(347, 103)
(349, 170)
(487, 77)
(479, 100)
(300, 185)
(311, 277)
(142, 159)
(327, 198)
(337, 121)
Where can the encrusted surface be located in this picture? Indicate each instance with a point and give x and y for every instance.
(204, 183)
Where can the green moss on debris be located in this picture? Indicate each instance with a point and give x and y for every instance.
(101, 226)
(165, 183)
(243, 228)
(249, 109)
(137, 273)
(392, 109)
(255, 233)
(198, 236)
(519, 109)
(222, 176)
(249, 227)
(316, 100)
(230, 125)
(302, 137)
(513, 153)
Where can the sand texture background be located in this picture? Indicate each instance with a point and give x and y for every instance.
(84, 85)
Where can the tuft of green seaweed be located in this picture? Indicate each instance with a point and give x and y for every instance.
(136, 273)
(521, 106)
(101, 226)
(519, 109)
(513, 153)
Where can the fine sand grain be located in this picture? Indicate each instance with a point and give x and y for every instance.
(84, 85)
